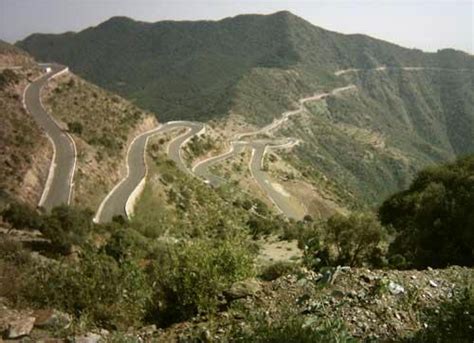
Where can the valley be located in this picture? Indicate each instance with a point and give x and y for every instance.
(250, 179)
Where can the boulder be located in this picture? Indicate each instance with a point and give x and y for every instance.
(395, 288)
(243, 289)
(20, 327)
(51, 319)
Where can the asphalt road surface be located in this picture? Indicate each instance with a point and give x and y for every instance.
(282, 201)
(115, 202)
(58, 188)
(202, 169)
(174, 147)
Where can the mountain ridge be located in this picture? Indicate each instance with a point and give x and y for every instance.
(198, 64)
(251, 68)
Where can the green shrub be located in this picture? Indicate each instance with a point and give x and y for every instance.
(356, 240)
(291, 328)
(22, 217)
(67, 226)
(278, 269)
(8, 77)
(125, 243)
(75, 127)
(434, 218)
(191, 276)
(452, 321)
(111, 295)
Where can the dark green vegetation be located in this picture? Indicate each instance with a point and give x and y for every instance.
(8, 78)
(136, 273)
(64, 227)
(428, 225)
(434, 218)
(369, 142)
(453, 321)
(291, 328)
(203, 69)
(127, 279)
(173, 203)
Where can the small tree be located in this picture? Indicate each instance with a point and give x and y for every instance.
(189, 277)
(434, 218)
(22, 217)
(67, 226)
(354, 240)
(75, 127)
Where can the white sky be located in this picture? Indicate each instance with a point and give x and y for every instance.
(427, 25)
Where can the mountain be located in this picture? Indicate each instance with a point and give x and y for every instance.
(251, 68)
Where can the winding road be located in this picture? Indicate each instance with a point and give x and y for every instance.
(279, 197)
(58, 188)
(121, 199)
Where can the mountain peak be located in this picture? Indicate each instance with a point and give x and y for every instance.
(117, 20)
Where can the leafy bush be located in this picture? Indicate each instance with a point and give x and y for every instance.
(260, 226)
(75, 127)
(452, 321)
(110, 294)
(67, 226)
(8, 77)
(22, 217)
(124, 243)
(355, 240)
(189, 279)
(277, 269)
(434, 218)
(291, 328)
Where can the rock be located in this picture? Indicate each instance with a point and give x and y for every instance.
(51, 319)
(148, 330)
(433, 284)
(337, 294)
(206, 336)
(327, 277)
(20, 327)
(395, 288)
(88, 338)
(242, 289)
(367, 278)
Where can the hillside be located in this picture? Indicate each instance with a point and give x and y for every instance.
(183, 70)
(25, 150)
(185, 269)
(411, 108)
(102, 125)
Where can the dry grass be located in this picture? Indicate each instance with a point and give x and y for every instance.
(25, 149)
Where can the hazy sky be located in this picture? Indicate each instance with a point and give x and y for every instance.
(427, 25)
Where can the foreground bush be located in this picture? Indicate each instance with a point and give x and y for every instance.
(434, 218)
(67, 226)
(191, 276)
(291, 328)
(108, 294)
(278, 269)
(64, 227)
(452, 321)
(355, 240)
